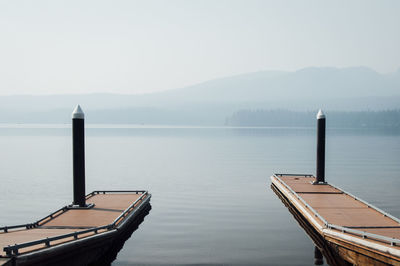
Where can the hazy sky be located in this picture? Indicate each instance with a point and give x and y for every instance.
(131, 46)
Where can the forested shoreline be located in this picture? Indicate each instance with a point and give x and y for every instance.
(336, 119)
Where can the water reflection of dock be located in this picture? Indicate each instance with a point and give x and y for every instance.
(341, 225)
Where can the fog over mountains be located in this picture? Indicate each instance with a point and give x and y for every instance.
(210, 102)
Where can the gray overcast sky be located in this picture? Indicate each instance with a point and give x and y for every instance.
(134, 47)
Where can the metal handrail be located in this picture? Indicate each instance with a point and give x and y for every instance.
(13, 249)
(51, 215)
(343, 229)
(128, 210)
(305, 175)
(26, 226)
(96, 192)
(384, 239)
(117, 191)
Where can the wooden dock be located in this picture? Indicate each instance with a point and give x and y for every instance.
(358, 232)
(74, 236)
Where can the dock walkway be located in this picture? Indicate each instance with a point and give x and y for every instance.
(111, 209)
(343, 219)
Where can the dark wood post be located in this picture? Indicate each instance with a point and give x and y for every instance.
(321, 125)
(78, 156)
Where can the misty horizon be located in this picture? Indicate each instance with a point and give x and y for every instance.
(213, 101)
(396, 72)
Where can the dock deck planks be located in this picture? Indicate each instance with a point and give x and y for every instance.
(339, 208)
(107, 208)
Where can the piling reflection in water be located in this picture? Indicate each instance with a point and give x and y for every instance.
(318, 257)
(321, 245)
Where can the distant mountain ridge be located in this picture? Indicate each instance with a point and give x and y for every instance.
(305, 84)
(344, 89)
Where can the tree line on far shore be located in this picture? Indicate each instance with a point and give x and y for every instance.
(389, 119)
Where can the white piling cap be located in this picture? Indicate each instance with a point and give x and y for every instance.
(320, 114)
(78, 113)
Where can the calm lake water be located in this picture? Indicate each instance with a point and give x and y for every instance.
(211, 196)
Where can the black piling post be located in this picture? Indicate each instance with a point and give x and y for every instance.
(78, 156)
(321, 126)
(318, 258)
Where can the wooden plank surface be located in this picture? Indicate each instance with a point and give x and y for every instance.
(107, 208)
(333, 201)
(308, 188)
(113, 201)
(342, 209)
(304, 185)
(355, 217)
